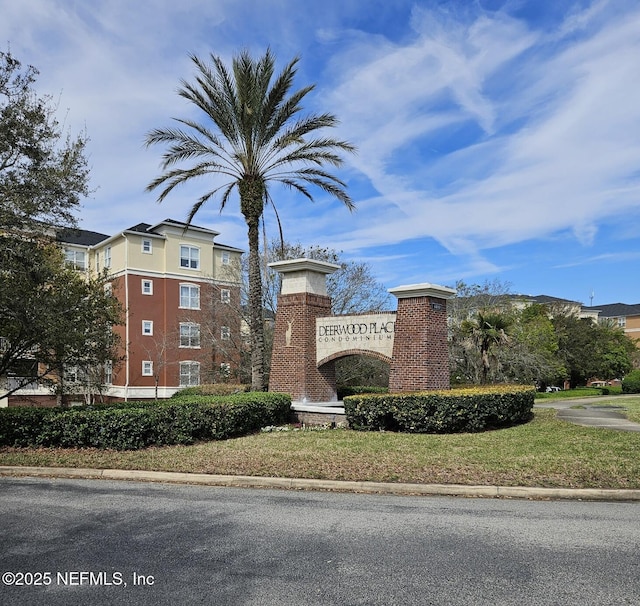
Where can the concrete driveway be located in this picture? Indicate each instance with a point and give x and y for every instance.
(590, 412)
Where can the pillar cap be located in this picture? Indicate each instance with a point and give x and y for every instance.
(322, 267)
(423, 290)
(304, 276)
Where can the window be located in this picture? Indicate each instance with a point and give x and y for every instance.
(189, 334)
(190, 257)
(226, 257)
(225, 333)
(108, 372)
(189, 374)
(147, 287)
(189, 296)
(225, 370)
(75, 259)
(147, 327)
(71, 374)
(622, 322)
(97, 262)
(107, 257)
(147, 247)
(108, 289)
(147, 368)
(225, 295)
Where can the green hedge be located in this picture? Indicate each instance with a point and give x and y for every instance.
(356, 390)
(134, 425)
(212, 389)
(451, 411)
(631, 383)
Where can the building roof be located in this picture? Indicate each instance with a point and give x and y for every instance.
(227, 247)
(617, 310)
(545, 299)
(141, 227)
(80, 237)
(185, 226)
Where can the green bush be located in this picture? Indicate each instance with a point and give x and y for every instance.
(631, 383)
(356, 390)
(134, 425)
(212, 389)
(451, 411)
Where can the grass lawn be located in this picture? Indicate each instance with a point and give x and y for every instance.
(545, 452)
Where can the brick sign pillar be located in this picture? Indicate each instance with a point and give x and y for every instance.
(302, 299)
(420, 352)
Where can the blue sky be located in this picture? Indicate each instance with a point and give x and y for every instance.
(497, 139)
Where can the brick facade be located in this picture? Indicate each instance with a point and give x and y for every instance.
(293, 362)
(420, 353)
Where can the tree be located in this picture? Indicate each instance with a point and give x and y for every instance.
(51, 317)
(590, 350)
(468, 364)
(532, 355)
(488, 330)
(253, 136)
(43, 175)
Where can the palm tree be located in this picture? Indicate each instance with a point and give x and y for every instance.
(253, 136)
(488, 330)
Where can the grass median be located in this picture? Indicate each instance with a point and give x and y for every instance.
(545, 452)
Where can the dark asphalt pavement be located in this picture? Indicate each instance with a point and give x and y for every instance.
(105, 543)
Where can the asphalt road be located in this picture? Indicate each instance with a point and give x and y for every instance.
(101, 542)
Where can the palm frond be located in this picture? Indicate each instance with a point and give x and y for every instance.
(228, 188)
(171, 179)
(332, 186)
(299, 187)
(253, 130)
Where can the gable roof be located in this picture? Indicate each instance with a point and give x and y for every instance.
(544, 299)
(617, 310)
(80, 237)
(140, 227)
(185, 226)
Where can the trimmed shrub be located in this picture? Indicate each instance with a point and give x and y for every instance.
(134, 425)
(631, 383)
(452, 411)
(356, 390)
(212, 389)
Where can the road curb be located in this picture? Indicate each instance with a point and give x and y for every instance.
(458, 490)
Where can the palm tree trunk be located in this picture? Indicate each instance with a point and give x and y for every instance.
(256, 324)
(252, 204)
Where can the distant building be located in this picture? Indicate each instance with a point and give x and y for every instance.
(181, 293)
(625, 316)
(554, 304)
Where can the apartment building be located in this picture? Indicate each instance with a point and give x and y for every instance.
(180, 290)
(625, 316)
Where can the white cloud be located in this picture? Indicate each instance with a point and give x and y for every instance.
(554, 167)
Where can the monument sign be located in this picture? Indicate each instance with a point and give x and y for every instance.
(308, 339)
